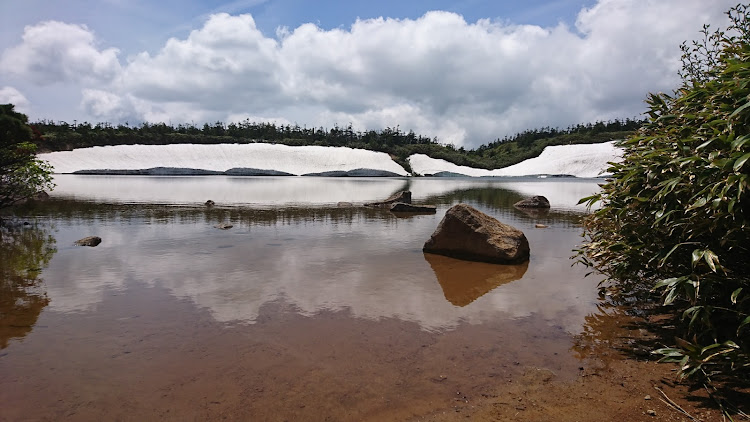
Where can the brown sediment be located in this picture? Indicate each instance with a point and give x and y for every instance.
(617, 381)
(137, 364)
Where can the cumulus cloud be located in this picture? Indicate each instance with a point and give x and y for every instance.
(54, 51)
(465, 82)
(105, 105)
(10, 95)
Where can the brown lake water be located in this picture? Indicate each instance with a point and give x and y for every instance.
(303, 310)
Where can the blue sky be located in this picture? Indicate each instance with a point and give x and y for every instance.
(465, 71)
(136, 25)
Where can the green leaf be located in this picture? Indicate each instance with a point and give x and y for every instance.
(739, 110)
(739, 142)
(697, 256)
(711, 259)
(741, 161)
(742, 324)
(710, 347)
(669, 282)
(699, 203)
(671, 296)
(735, 293)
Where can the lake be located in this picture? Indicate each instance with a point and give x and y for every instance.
(303, 310)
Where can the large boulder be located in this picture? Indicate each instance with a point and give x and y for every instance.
(467, 233)
(533, 202)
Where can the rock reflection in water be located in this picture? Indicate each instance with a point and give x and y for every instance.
(24, 251)
(534, 212)
(464, 282)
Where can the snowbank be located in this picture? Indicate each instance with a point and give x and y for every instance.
(588, 160)
(585, 160)
(223, 157)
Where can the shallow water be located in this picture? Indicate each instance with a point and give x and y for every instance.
(302, 310)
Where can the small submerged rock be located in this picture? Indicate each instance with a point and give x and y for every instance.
(541, 226)
(467, 233)
(533, 202)
(224, 226)
(413, 208)
(88, 241)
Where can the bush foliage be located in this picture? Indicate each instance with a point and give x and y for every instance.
(674, 220)
(22, 175)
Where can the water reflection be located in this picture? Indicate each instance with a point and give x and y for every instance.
(24, 252)
(364, 261)
(225, 190)
(316, 191)
(463, 282)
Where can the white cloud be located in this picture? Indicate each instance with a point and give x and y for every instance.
(467, 83)
(10, 95)
(106, 105)
(53, 52)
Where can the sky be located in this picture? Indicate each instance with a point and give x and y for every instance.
(465, 71)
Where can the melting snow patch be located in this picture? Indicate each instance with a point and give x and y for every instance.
(583, 160)
(223, 157)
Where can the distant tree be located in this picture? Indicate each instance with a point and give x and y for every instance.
(22, 175)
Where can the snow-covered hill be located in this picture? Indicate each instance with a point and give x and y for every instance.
(223, 157)
(584, 160)
(588, 160)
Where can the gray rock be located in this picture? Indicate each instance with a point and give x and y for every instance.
(446, 174)
(413, 208)
(154, 171)
(88, 241)
(467, 233)
(533, 202)
(41, 196)
(332, 173)
(403, 196)
(245, 171)
(224, 226)
(371, 173)
(363, 172)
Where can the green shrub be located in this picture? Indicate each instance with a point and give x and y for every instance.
(675, 218)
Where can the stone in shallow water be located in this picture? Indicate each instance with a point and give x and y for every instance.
(413, 208)
(467, 233)
(402, 196)
(533, 202)
(88, 241)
